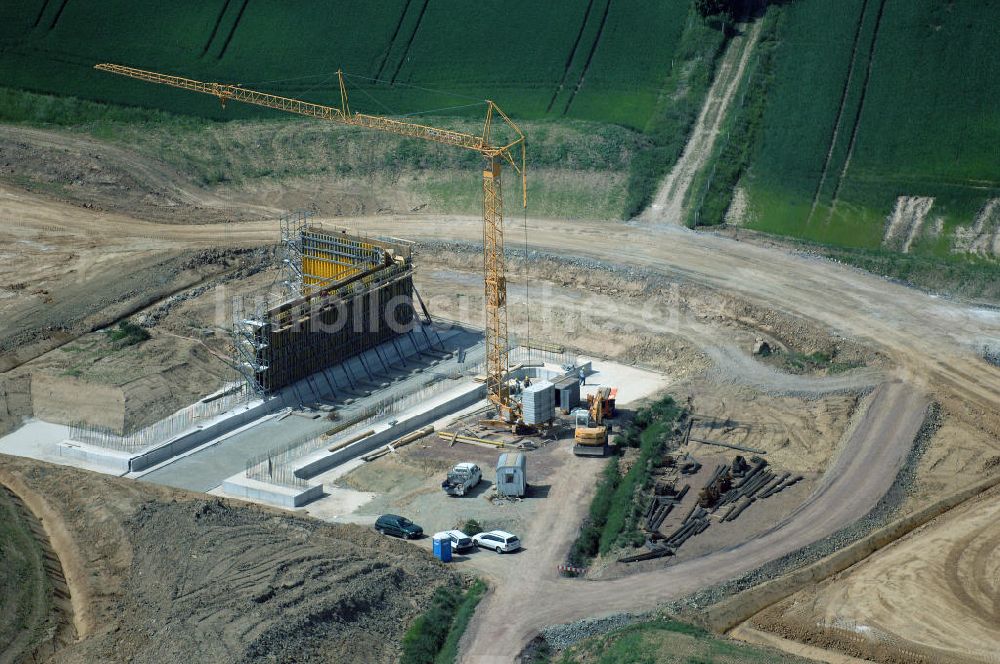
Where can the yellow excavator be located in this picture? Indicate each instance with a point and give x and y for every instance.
(591, 432)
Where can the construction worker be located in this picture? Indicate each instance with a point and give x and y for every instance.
(583, 378)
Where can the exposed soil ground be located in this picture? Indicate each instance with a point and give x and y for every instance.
(724, 294)
(232, 581)
(933, 596)
(97, 175)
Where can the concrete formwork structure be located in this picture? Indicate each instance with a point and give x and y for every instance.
(347, 293)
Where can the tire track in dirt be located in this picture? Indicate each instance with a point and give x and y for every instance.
(590, 57)
(392, 40)
(215, 28)
(232, 31)
(409, 43)
(669, 203)
(569, 59)
(860, 113)
(840, 111)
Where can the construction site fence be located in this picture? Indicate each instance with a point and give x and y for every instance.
(162, 431)
(276, 465)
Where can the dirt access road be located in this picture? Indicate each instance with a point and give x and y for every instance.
(930, 341)
(670, 199)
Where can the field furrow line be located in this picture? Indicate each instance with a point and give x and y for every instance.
(572, 55)
(41, 12)
(59, 12)
(860, 113)
(409, 42)
(392, 40)
(215, 28)
(840, 111)
(232, 31)
(590, 56)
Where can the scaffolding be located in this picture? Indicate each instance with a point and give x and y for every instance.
(342, 295)
(292, 225)
(249, 340)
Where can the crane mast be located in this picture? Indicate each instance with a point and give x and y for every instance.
(494, 280)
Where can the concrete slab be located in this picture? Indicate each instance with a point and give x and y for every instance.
(633, 383)
(45, 441)
(338, 502)
(240, 486)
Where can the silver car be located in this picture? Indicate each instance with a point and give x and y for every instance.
(499, 540)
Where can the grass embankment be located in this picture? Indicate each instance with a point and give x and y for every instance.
(24, 596)
(577, 168)
(666, 642)
(615, 511)
(968, 277)
(433, 637)
(964, 276)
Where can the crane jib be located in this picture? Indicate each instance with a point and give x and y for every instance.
(498, 391)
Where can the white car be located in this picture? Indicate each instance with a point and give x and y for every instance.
(499, 540)
(459, 541)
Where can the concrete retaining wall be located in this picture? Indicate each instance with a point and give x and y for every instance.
(92, 454)
(193, 439)
(272, 494)
(728, 614)
(312, 466)
(311, 389)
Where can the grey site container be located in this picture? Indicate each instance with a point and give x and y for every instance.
(512, 477)
(538, 402)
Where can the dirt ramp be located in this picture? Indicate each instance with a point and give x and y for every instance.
(215, 582)
(931, 597)
(173, 576)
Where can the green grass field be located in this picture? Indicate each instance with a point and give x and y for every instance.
(600, 71)
(900, 101)
(537, 60)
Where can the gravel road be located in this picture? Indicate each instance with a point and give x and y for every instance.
(933, 344)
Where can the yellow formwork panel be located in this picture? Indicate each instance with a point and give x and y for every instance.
(331, 257)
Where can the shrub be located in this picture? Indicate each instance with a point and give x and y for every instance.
(428, 632)
(433, 637)
(471, 527)
(127, 334)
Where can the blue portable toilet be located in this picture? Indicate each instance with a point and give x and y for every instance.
(442, 549)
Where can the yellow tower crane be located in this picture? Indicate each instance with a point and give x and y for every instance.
(497, 364)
